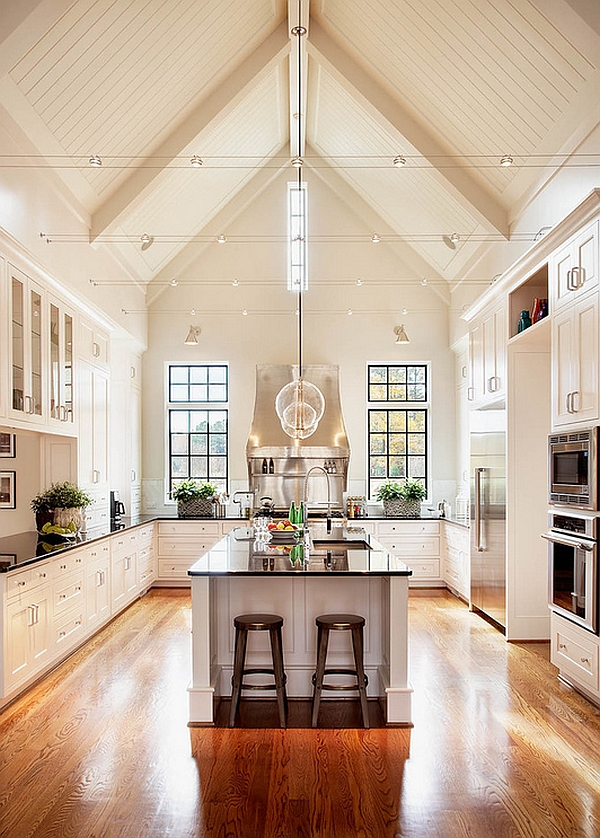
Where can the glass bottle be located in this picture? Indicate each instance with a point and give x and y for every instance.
(292, 516)
(524, 321)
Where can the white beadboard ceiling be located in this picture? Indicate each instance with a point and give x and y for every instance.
(452, 86)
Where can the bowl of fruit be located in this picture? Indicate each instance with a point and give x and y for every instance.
(284, 531)
(55, 534)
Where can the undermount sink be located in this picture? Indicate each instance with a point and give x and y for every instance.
(337, 544)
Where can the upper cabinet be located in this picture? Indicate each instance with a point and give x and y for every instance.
(575, 330)
(575, 268)
(27, 351)
(93, 345)
(60, 366)
(487, 356)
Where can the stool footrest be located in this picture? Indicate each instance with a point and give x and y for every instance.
(340, 686)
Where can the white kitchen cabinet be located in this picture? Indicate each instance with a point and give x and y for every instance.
(575, 372)
(123, 570)
(27, 328)
(97, 585)
(147, 562)
(575, 268)
(487, 356)
(417, 543)
(93, 344)
(60, 364)
(93, 429)
(27, 626)
(456, 559)
(180, 543)
(576, 653)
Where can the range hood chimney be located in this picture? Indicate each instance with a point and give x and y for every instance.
(277, 465)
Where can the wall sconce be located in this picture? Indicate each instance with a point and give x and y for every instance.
(401, 336)
(192, 336)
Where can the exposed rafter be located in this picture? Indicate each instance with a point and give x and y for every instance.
(376, 100)
(272, 50)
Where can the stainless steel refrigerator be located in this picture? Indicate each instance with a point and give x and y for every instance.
(488, 513)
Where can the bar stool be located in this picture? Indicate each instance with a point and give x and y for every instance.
(340, 622)
(258, 622)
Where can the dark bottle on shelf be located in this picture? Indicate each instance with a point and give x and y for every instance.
(271, 466)
(265, 468)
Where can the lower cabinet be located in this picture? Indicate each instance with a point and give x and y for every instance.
(417, 543)
(575, 652)
(456, 559)
(50, 608)
(180, 544)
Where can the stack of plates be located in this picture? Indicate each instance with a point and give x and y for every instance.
(285, 535)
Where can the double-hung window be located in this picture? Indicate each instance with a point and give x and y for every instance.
(397, 423)
(198, 424)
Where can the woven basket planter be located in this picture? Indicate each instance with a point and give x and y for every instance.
(197, 508)
(400, 508)
(62, 517)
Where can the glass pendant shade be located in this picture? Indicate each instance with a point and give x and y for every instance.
(299, 406)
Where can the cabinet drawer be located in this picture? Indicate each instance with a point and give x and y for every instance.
(66, 592)
(121, 545)
(147, 577)
(179, 547)
(26, 580)
(99, 551)
(428, 569)
(575, 654)
(176, 569)
(68, 563)
(408, 548)
(68, 630)
(457, 537)
(409, 528)
(189, 528)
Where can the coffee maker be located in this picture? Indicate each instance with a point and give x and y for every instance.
(117, 510)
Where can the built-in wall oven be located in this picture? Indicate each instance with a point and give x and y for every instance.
(573, 469)
(573, 567)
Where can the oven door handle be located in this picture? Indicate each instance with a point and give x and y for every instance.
(568, 541)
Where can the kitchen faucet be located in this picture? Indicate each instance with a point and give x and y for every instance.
(305, 496)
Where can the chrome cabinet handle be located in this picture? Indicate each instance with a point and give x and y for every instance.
(570, 282)
(470, 394)
(95, 349)
(568, 541)
(573, 408)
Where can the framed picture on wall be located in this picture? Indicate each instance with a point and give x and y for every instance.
(8, 489)
(8, 444)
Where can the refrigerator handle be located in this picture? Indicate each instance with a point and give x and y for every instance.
(478, 520)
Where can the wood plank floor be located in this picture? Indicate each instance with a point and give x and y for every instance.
(500, 749)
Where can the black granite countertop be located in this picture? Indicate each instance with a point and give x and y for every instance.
(347, 551)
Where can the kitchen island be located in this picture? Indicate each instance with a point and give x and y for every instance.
(344, 570)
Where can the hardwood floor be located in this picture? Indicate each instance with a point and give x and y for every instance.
(101, 748)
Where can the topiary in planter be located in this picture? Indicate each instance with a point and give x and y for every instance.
(61, 504)
(402, 500)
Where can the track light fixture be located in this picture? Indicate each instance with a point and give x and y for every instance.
(192, 336)
(401, 336)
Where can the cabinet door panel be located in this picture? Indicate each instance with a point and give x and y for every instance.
(563, 344)
(585, 399)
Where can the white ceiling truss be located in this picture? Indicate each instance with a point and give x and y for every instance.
(449, 87)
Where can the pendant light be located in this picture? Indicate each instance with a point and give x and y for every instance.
(299, 404)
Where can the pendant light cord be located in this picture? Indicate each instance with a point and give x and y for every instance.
(303, 243)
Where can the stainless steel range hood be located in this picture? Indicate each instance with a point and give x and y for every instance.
(277, 464)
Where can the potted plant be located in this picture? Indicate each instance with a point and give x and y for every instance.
(194, 500)
(402, 500)
(62, 504)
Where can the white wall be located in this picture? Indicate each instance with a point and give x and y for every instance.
(27, 465)
(268, 334)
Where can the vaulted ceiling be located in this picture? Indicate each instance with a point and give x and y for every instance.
(452, 86)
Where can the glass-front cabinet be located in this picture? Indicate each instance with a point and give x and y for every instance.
(27, 350)
(60, 364)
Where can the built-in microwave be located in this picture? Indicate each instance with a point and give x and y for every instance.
(573, 469)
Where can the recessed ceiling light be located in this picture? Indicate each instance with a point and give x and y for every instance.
(297, 162)
(221, 239)
(399, 161)
(506, 160)
(375, 238)
(173, 282)
(454, 237)
(95, 160)
(196, 161)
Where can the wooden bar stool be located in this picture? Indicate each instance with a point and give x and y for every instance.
(258, 622)
(340, 622)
